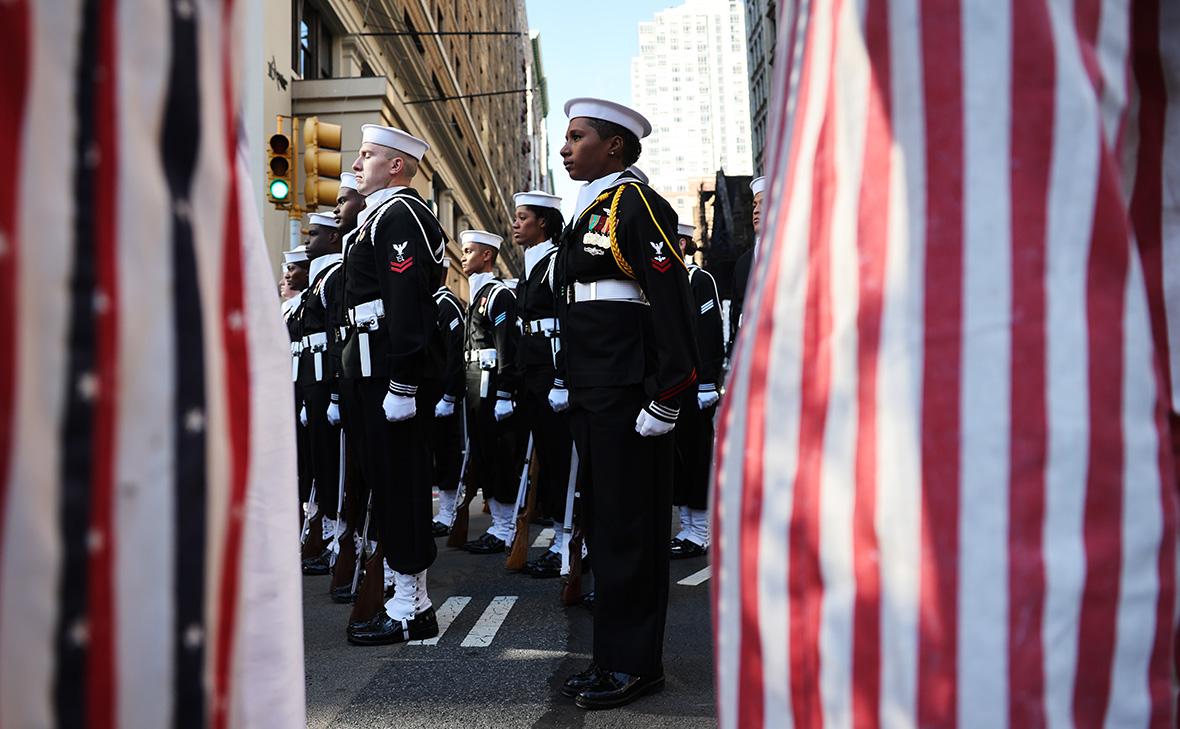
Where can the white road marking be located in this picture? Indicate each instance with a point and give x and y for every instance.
(485, 628)
(446, 615)
(544, 538)
(695, 578)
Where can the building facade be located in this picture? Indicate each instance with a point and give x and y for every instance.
(690, 80)
(453, 72)
(761, 33)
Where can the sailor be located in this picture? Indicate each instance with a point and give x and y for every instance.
(295, 267)
(447, 432)
(743, 264)
(316, 378)
(627, 330)
(389, 366)
(542, 397)
(694, 428)
(490, 344)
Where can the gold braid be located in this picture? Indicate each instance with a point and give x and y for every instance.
(612, 223)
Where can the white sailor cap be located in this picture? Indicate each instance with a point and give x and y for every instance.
(638, 173)
(684, 230)
(481, 236)
(327, 221)
(347, 181)
(394, 139)
(537, 198)
(757, 185)
(297, 254)
(610, 111)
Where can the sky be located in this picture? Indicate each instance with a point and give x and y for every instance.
(586, 53)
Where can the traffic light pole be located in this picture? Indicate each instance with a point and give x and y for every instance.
(295, 212)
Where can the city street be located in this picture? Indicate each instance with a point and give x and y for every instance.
(506, 644)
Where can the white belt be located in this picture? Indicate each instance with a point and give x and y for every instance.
(487, 358)
(547, 326)
(296, 347)
(367, 314)
(316, 342)
(609, 290)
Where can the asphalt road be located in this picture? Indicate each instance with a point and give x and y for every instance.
(502, 660)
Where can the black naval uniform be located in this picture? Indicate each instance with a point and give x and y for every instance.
(447, 433)
(694, 428)
(318, 364)
(537, 355)
(491, 329)
(302, 443)
(741, 279)
(392, 267)
(627, 329)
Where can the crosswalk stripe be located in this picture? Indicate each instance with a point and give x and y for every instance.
(544, 538)
(695, 578)
(485, 628)
(445, 615)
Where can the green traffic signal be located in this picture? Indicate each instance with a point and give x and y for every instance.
(279, 189)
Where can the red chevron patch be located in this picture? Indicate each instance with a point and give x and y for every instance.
(401, 266)
(661, 266)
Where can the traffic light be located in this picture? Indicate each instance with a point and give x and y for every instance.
(278, 170)
(321, 161)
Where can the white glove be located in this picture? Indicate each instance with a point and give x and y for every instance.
(706, 400)
(303, 416)
(503, 410)
(559, 399)
(334, 413)
(444, 409)
(649, 425)
(399, 407)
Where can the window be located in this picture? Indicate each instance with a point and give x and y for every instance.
(410, 28)
(311, 41)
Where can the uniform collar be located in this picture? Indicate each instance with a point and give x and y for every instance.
(478, 280)
(291, 303)
(375, 200)
(320, 263)
(534, 254)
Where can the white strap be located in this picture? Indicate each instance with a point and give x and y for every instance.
(609, 290)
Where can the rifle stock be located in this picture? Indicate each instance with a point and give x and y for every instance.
(458, 535)
(346, 562)
(519, 553)
(370, 598)
(571, 588)
(313, 545)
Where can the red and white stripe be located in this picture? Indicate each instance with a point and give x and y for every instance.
(253, 655)
(944, 485)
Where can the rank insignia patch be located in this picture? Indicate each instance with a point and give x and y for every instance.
(401, 266)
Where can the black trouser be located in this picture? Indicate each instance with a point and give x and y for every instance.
(324, 441)
(356, 489)
(396, 463)
(302, 450)
(551, 438)
(496, 450)
(446, 442)
(694, 454)
(626, 498)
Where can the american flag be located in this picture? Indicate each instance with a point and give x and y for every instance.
(945, 490)
(148, 573)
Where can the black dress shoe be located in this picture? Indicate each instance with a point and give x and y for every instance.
(614, 689)
(486, 544)
(589, 599)
(438, 529)
(686, 549)
(547, 565)
(343, 595)
(384, 630)
(359, 624)
(318, 565)
(579, 681)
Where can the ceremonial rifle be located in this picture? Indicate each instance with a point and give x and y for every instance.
(571, 552)
(520, 537)
(458, 536)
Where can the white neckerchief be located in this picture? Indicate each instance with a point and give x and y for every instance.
(592, 190)
(534, 254)
(320, 263)
(373, 201)
(291, 303)
(478, 280)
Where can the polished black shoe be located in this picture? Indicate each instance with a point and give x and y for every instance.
(320, 565)
(686, 549)
(579, 681)
(359, 624)
(343, 595)
(384, 630)
(614, 689)
(438, 529)
(589, 599)
(486, 544)
(547, 565)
